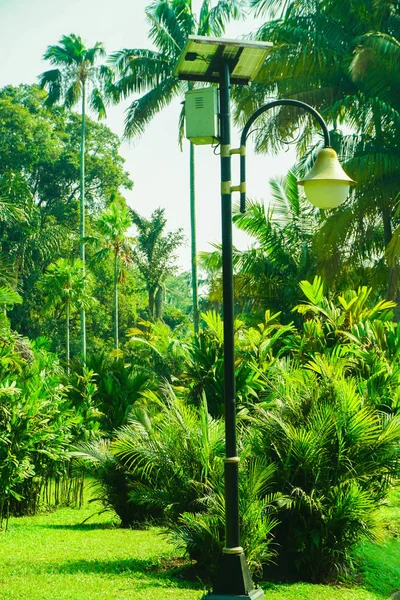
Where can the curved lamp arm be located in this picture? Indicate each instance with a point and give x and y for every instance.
(254, 116)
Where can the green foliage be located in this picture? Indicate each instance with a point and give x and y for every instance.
(339, 57)
(282, 252)
(76, 67)
(111, 483)
(205, 369)
(352, 331)
(37, 423)
(202, 534)
(36, 430)
(118, 386)
(154, 256)
(112, 226)
(176, 470)
(39, 176)
(335, 450)
(181, 475)
(158, 349)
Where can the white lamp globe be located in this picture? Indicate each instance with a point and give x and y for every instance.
(326, 185)
(326, 193)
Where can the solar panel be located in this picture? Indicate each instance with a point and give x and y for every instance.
(202, 57)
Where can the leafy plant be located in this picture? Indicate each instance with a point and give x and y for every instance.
(335, 457)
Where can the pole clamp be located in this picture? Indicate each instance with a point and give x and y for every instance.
(239, 188)
(236, 550)
(241, 150)
(231, 459)
(225, 150)
(228, 188)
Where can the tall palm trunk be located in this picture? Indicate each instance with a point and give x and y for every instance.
(159, 303)
(193, 240)
(116, 301)
(151, 298)
(67, 333)
(393, 283)
(82, 218)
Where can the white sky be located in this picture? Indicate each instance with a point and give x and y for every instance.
(160, 171)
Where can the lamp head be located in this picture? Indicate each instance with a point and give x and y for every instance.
(326, 185)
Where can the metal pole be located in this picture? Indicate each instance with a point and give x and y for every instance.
(233, 580)
(231, 460)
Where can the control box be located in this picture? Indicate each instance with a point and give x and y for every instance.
(201, 115)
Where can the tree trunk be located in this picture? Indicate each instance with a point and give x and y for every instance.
(116, 301)
(393, 274)
(82, 219)
(159, 302)
(151, 303)
(67, 334)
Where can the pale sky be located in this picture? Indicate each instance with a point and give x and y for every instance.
(159, 170)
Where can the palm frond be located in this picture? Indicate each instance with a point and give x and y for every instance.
(213, 21)
(138, 70)
(96, 101)
(141, 111)
(52, 81)
(93, 53)
(165, 30)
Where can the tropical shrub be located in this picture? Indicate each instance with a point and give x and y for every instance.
(202, 534)
(158, 349)
(204, 373)
(336, 457)
(116, 388)
(176, 452)
(38, 424)
(352, 326)
(35, 433)
(111, 483)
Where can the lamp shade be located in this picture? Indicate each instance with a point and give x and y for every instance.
(326, 185)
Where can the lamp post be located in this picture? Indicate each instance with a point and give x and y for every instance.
(225, 63)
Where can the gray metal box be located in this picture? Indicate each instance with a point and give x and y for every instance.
(201, 112)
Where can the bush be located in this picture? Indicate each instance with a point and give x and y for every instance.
(335, 458)
(202, 535)
(112, 483)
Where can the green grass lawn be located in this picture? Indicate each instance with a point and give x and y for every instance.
(53, 557)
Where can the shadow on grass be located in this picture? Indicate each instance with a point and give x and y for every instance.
(156, 572)
(81, 526)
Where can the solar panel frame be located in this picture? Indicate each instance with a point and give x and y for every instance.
(246, 59)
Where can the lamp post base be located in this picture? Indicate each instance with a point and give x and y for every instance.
(254, 595)
(234, 580)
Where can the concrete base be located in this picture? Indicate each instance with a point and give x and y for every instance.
(233, 581)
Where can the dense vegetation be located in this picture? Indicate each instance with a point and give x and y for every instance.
(104, 368)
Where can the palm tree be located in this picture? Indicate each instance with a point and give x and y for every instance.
(75, 74)
(140, 70)
(154, 255)
(112, 226)
(340, 57)
(64, 284)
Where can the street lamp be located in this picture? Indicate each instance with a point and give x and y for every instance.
(225, 62)
(326, 185)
